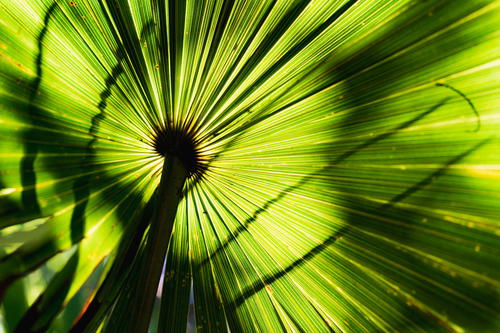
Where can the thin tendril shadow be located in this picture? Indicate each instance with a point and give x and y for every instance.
(244, 227)
(248, 292)
(467, 99)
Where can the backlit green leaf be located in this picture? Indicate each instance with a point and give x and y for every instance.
(342, 161)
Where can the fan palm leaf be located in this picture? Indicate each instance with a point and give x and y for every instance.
(293, 165)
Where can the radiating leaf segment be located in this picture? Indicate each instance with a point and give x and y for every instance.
(317, 157)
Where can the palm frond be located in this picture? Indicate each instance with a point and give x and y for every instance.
(345, 171)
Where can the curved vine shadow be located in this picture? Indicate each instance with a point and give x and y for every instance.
(360, 225)
(81, 188)
(352, 224)
(45, 142)
(429, 281)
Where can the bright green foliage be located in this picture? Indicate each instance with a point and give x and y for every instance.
(353, 179)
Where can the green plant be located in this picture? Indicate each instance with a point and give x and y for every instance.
(330, 165)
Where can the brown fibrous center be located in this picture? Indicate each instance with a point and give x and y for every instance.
(181, 144)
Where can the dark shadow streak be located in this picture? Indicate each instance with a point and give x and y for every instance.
(29, 322)
(433, 176)
(128, 249)
(297, 263)
(59, 285)
(244, 227)
(259, 285)
(81, 186)
(28, 177)
(29, 198)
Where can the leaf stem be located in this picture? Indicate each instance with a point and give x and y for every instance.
(169, 195)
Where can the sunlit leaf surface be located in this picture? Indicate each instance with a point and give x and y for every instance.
(351, 177)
